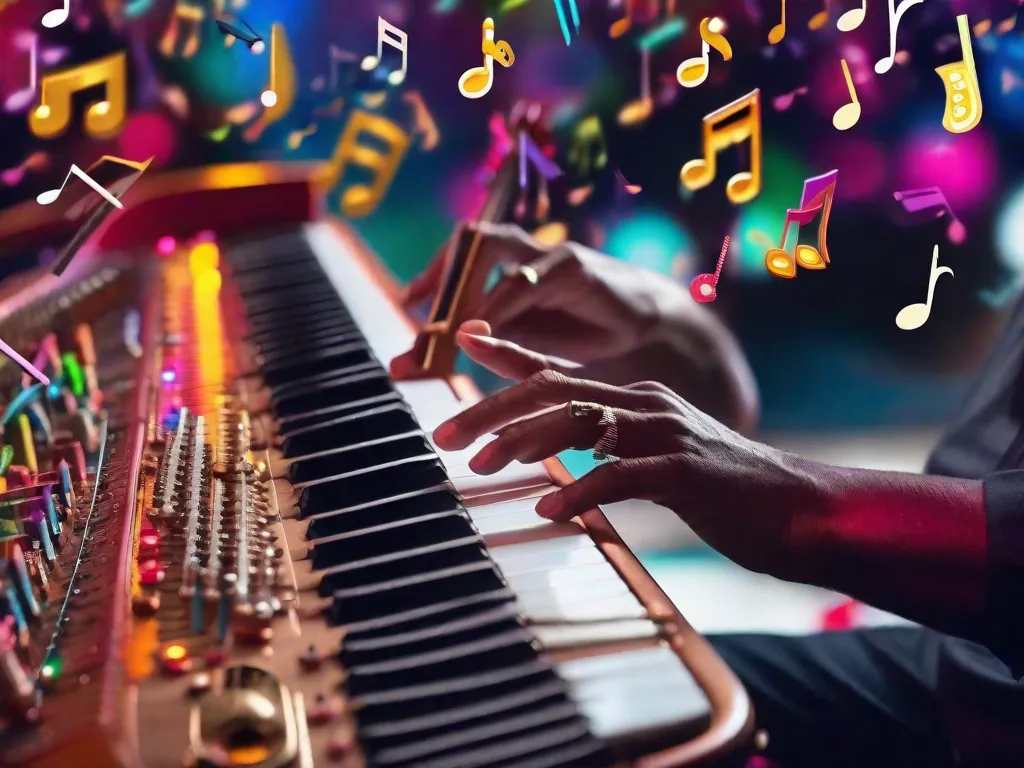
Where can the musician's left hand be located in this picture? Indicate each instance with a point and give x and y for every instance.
(747, 500)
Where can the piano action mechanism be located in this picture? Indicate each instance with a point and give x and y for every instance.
(236, 545)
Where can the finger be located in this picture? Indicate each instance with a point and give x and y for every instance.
(426, 284)
(476, 327)
(575, 338)
(546, 435)
(647, 478)
(518, 293)
(535, 393)
(510, 361)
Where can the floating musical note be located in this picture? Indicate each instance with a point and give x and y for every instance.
(619, 27)
(817, 197)
(704, 287)
(784, 101)
(423, 121)
(37, 161)
(103, 119)
(295, 137)
(693, 72)
(778, 32)
(51, 195)
(20, 100)
(193, 16)
(745, 185)
(176, 100)
(852, 19)
(818, 20)
(332, 108)
(219, 134)
(476, 82)
(932, 200)
(362, 199)
(107, 166)
(632, 189)
(847, 115)
(279, 96)
(884, 64)
(25, 364)
(963, 94)
(135, 9)
(561, 18)
(636, 112)
(588, 149)
(58, 16)
(530, 152)
(397, 39)
(336, 56)
(247, 35)
(913, 316)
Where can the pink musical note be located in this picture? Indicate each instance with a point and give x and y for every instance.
(37, 161)
(932, 200)
(816, 198)
(704, 288)
(784, 101)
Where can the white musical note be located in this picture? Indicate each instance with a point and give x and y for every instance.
(22, 99)
(50, 195)
(57, 16)
(852, 19)
(400, 42)
(884, 64)
(913, 316)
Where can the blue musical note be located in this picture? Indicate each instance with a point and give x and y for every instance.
(561, 19)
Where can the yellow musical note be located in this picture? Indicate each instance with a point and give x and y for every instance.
(847, 115)
(362, 199)
(588, 145)
(818, 20)
(636, 112)
(963, 94)
(913, 316)
(477, 81)
(745, 185)
(400, 42)
(621, 26)
(192, 15)
(295, 137)
(816, 198)
(776, 33)
(423, 121)
(693, 72)
(103, 119)
(279, 95)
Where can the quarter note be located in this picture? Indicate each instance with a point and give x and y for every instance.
(362, 199)
(103, 119)
(884, 64)
(776, 33)
(913, 316)
(20, 100)
(192, 15)
(693, 72)
(51, 195)
(588, 149)
(852, 19)
(279, 95)
(817, 197)
(820, 19)
(423, 121)
(619, 27)
(397, 39)
(745, 185)
(57, 16)
(847, 115)
(704, 288)
(932, 200)
(636, 112)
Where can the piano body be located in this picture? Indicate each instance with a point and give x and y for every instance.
(263, 560)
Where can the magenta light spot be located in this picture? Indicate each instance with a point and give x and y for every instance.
(167, 376)
(147, 135)
(962, 165)
(165, 245)
(861, 165)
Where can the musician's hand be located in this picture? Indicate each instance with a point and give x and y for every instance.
(620, 322)
(743, 498)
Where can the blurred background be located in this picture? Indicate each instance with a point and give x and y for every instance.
(839, 381)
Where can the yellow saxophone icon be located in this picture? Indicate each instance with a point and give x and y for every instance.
(963, 95)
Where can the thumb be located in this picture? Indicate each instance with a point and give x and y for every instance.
(508, 360)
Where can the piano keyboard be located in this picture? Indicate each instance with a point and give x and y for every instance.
(475, 632)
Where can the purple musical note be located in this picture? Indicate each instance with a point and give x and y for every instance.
(530, 151)
(928, 200)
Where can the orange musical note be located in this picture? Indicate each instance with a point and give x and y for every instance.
(103, 119)
(745, 185)
(621, 26)
(817, 197)
(636, 112)
(192, 15)
(819, 19)
(776, 33)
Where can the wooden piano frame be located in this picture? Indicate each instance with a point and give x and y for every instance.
(238, 197)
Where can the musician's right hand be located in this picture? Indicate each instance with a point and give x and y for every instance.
(617, 321)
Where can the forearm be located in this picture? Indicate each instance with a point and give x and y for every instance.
(915, 545)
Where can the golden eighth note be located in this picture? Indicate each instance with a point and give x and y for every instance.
(360, 200)
(279, 95)
(103, 119)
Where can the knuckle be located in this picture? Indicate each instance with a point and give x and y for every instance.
(659, 401)
(547, 378)
(673, 422)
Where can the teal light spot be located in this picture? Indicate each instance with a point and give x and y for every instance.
(650, 240)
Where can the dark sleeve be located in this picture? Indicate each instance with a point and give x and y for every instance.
(1004, 598)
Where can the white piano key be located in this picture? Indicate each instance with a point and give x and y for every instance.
(571, 593)
(581, 574)
(515, 506)
(431, 400)
(613, 608)
(546, 555)
(386, 330)
(618, 715)
(524, 520)
(668, 674)
(555, 636)
(625, 663)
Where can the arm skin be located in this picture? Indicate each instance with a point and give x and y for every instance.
(945, 552)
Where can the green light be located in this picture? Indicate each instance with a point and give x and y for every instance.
(51, 670)
(74, 374)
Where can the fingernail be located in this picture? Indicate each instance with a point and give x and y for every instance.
(481, 463)
(445, 434)
(488, 342)
(550, 506)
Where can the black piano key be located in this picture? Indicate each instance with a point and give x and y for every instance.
(257, 285)
(286, 344)
(427, 614)
(587, 752)
(486, 621)
(300, 388)
(402, 565)
(516, 745)
(381, 483)
(388, 511)
(351, 429)
(265, 319)
(390, 538)
(382, 599)
(300, 421)
(367, 381)
(319, 361)
(353, 458)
